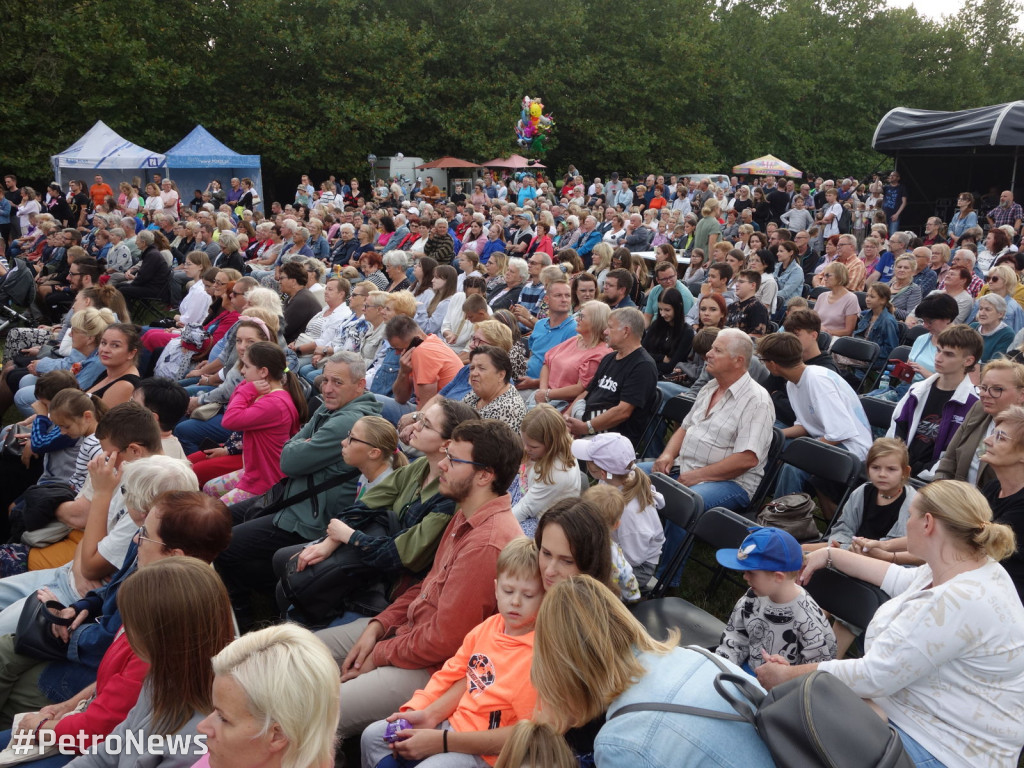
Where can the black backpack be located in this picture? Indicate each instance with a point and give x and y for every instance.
(812, 720)
(845, 221)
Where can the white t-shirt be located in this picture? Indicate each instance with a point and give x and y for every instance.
(832, 228)
(826, 406)
(946, 664)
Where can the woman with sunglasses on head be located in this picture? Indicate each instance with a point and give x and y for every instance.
(412, 492)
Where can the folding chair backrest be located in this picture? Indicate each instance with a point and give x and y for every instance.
(879, 412)
(852, 600)
(815, 293)
(861, 350)
(771, 469)
(901, 352)
(829, 462)
(862, 299)
(682, 506)
(721, 528)
(654, 423)
(913, 333)
(676, 408)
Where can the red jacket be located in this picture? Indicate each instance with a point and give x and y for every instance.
(118, 683)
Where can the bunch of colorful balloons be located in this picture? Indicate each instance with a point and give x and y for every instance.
(534, 126)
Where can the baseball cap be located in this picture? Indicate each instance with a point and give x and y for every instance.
(609, 450)
(413, 211)
(765, 549)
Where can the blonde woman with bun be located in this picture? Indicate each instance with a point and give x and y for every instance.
(944, 657)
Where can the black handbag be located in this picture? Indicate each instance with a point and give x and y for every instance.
(13, 447)
(342, 581)
(34, 636)
(812, 720)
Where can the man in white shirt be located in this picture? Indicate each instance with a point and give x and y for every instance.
(826, 407)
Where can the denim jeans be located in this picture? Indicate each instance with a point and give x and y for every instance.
(724, 493)
(922, 757)
(392, 410)
(192, 432)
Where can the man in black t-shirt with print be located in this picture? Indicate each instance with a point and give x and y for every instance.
(933, 409)
(621, 394)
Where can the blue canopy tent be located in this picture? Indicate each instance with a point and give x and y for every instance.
(199, 158)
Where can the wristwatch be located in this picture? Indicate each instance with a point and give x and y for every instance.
(590, 428)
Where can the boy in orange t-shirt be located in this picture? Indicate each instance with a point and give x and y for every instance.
(470, 704)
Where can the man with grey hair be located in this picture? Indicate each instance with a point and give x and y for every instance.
(721, 448)
(638, 236)
(965, 258)
(311, 457)
(621, 394)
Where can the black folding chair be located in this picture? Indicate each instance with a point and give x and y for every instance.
(852, 600)
(720, 528)
(826, 462)
(879, 412)
(771, 469)
(824, 340)
(862, 299)
(815, 293)
(913, 333)
(683, 508)
(654, 423)
(861, 350)
(676, 408)
(901, 352)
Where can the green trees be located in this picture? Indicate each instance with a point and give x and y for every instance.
(668, 85)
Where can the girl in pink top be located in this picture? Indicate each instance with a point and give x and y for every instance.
(266, 408)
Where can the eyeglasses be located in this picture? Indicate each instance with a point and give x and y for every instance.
(141, 536)
(420, 421)
(667, 279)
(453, 461)
(351, 439)
(991, 390)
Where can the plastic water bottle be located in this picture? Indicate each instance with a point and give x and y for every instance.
(883, 383)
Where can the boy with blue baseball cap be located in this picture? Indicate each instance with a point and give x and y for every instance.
(775, 616)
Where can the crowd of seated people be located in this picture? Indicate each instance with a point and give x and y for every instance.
(424, 427)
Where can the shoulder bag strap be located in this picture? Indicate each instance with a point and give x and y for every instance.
(315, 490)
(743, 714)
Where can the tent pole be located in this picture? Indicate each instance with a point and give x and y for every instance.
(1013, 177)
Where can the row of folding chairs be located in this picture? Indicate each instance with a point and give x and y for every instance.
(828, 462)
(847, 598)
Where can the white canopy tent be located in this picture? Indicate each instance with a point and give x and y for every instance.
(102, 149)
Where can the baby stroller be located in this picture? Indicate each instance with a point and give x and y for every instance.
(17, 293)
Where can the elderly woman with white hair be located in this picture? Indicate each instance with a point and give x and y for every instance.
(989, 311)
(345, 246)
(230, 256)
(515, 276)
(276, 702)
(396, 267)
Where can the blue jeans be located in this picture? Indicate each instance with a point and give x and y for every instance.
(191, 432)
(309, 372)
(724, 493)
(790, 480)
(392, 410)
(894, 226)
(922, 757)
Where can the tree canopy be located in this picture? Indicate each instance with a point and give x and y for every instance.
(669, 85)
